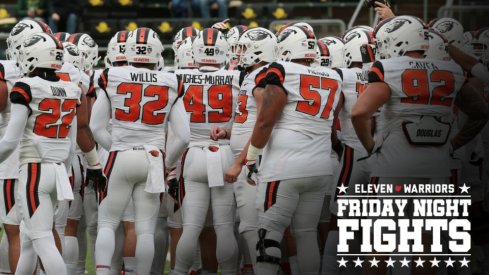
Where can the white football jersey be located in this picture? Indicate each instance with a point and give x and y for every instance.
(210, 99)
(354, 81)
(422, 91)
(300, 144)
(141, 100)
(246, 110)
(53, 107)
(10, 73)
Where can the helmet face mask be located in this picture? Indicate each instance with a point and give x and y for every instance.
(40, 50)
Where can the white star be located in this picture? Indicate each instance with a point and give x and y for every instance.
(464, 262)
(449, 262)
(419, 262)
(405, 262)
(374, 262)
(358, 262)
(390, 262)
(435, 262)
(342, 262)
(464, 188)
(342, 189)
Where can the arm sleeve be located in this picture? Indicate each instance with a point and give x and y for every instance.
(99, 121)
(15, 129)
(103, 80)
(180, 128)
(481, 73)
(376, 73)
(275, 75)
(21, 94)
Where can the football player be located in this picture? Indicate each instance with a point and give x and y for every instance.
(255, 49)
(209, 98)
(140, 101)
(416, 94)
(298, 104)
(43, 111)
(9, 73)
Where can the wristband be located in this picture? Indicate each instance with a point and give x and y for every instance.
(480, 72)
(92, 157)
(253, 152)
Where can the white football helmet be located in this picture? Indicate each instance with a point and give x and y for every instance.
(143, 45)
(255, 46)
(210, 47)
(181, 35)
(87, 47)
(21, 31)
(332, 56)
(72, 55)
(438, 46)
(353, 42)
(40, 50)
(233, 35)
(304, 25)
(380, 39)
(451, 29)
(296, 43)
(185, 57)
(117, 47)
(355, 28)
(405, 33)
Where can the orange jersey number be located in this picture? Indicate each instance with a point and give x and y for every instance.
(310, 89)
(415, 84)
(219, 98)
(47, 125)
(242, 113)
(149, 109)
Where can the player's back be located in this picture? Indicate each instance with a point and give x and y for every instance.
(300, 144)
(52, 104)
(210, 99)
(141, 100)
(416, 119)
(354, 81)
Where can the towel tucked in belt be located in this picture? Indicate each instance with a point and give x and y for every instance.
(215, 175)
(155, 182)
(63, 186)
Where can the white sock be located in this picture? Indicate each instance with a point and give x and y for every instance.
(294, 265)
(70, 254)
(330, 266)
(130, 265)
(4, 264)
(144, 253)
(104, 249)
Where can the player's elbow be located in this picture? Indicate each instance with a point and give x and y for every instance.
(358, 112)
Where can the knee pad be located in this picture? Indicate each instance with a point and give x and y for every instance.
(268, 250)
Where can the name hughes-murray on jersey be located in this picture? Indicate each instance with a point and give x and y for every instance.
(208, 79)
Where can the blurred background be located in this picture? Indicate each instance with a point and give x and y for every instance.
(102, 18)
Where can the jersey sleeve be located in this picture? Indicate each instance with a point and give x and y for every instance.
(180, 88)
(91, 88)
(103, 79)
(340, 73)
(275, 75)
(260, 81)
(21, 94)
(376, 73)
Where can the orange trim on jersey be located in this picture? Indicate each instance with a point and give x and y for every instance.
(278, 72)
(371, 53)
(104, 80)
(107, 171)
(22, 92)
(378, 73)
(180, 88)
(64, 76)
(259, 78)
